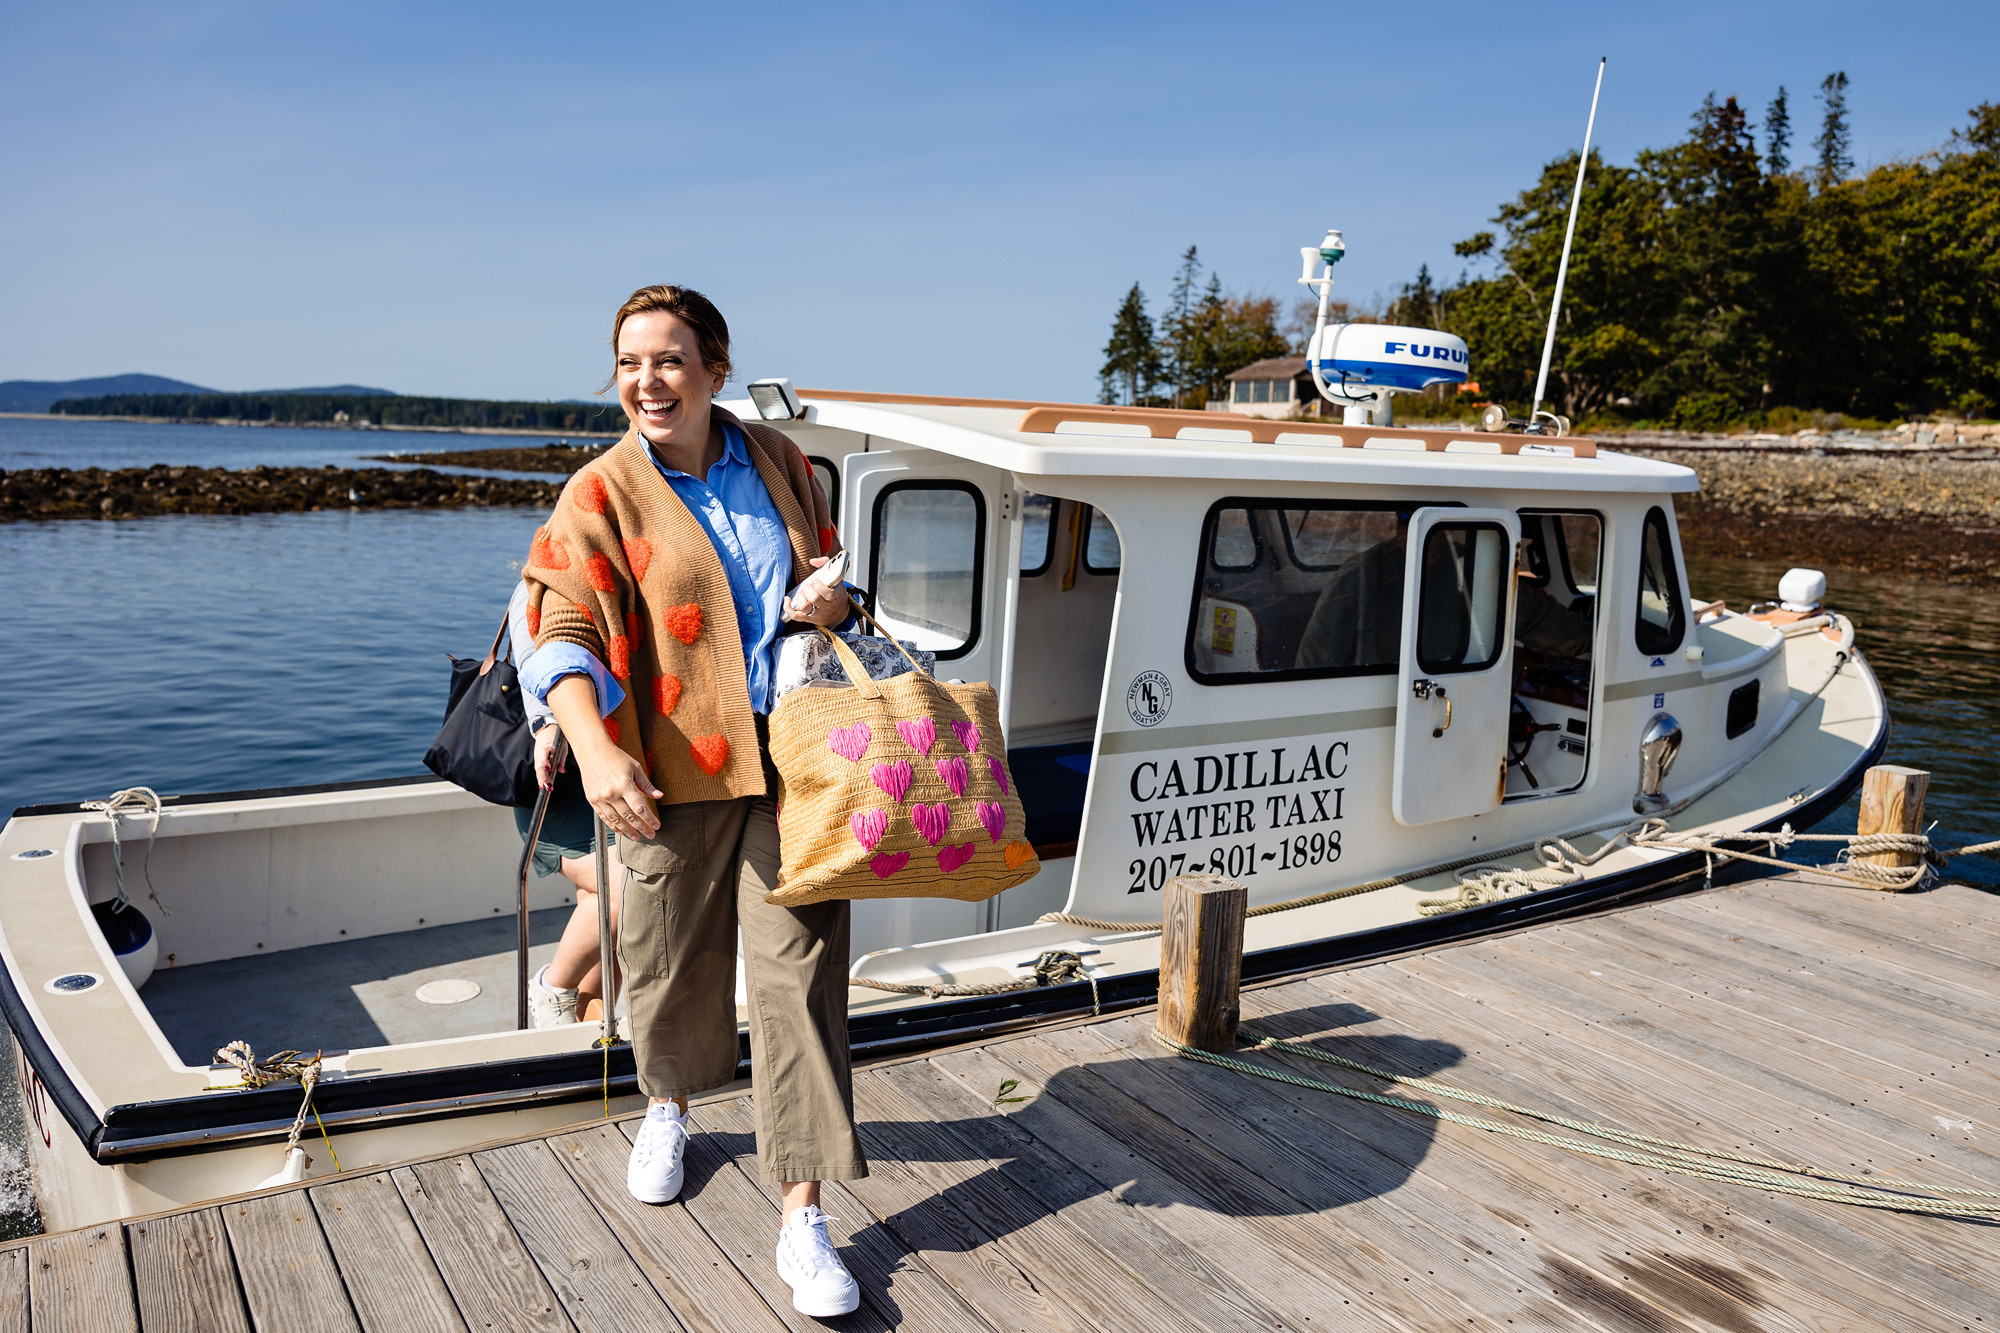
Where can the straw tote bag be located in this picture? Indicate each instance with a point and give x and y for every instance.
(895, 788)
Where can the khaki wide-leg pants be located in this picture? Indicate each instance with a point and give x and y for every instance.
(686, 891)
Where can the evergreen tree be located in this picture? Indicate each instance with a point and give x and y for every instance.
(1836, 162)
(1777, 133)
(1179, 332)
(1132, 357)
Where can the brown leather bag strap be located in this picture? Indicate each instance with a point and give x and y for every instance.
(494, 651)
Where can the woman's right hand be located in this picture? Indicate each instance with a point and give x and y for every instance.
(546, 767)
(618, 789)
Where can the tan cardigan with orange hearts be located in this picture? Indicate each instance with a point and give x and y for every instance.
(624, 570)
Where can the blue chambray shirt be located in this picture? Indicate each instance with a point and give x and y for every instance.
(735, 509)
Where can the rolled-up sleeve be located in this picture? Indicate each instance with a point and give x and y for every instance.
(552, 661)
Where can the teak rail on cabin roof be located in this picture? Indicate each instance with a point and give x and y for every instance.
(1162, 423)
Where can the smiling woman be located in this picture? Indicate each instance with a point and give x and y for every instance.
(656, 593)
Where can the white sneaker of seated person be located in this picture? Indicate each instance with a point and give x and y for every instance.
(821, 1285)
(549, 1006)
(653, 1173)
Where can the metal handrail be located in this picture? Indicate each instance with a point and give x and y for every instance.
(606, 952)
(527, 861)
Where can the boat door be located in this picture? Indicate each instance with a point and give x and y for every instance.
(933, 540)
(1457, 664)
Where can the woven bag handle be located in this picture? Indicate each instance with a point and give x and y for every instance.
(857, 676)
(881, 633)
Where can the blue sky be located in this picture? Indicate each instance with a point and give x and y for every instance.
(453, 199)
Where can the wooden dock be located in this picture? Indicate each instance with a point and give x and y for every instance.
(1131, 1190)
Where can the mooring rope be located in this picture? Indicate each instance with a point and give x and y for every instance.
(1562, 863)
(1644, 1150)
(132, 801)
(1052, 968)
(278, 1068)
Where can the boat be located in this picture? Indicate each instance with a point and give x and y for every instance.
(1315, 657)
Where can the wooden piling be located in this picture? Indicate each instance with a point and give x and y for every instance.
(1201, 960)
(1892, 801)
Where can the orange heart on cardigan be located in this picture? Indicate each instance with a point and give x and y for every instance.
(598, 570)
(547, 552)
(638, 555)
(612, 729)
(534, 621)
(621, 657)
(666, 693)
(684, 621)
(589, 493)
(710, 753)
(1017, 852)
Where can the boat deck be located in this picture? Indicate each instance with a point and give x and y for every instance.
(1128, 1189)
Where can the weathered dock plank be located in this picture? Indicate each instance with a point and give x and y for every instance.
(395, 1286)
(78, 1280)
(183, 1274)
(288, 1273)
(1129, 1189)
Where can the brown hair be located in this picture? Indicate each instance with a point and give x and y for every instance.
(711, 331)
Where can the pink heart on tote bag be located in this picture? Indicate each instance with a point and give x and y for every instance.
(955, 774)
(951, 858)
(921, 734)
(967, 733)
(999, 774)
(993, 816)
(850, 743)
(932, 821)
(870, 825)
(893, 778)
(885, 864)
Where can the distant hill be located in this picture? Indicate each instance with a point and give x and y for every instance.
(37, 395)
(353, 409)
(40, 395)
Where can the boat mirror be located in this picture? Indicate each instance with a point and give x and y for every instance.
(1658, 745)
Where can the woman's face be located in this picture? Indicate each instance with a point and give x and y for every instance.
(662, 384)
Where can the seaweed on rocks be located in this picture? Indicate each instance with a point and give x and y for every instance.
(53, 493)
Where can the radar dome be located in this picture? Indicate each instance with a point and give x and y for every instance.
(1387, 356)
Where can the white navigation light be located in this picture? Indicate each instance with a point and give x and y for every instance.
(776, 400)
(1367, 357)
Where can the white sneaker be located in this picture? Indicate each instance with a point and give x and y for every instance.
(821, 1285)
(549, 1006)
(653, 1174)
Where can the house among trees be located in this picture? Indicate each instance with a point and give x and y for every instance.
(1277, 386)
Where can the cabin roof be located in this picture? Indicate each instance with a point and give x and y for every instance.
(1040, 439)
(1271, 368)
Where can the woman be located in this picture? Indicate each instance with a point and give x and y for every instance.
(568, 987)
(667, 561)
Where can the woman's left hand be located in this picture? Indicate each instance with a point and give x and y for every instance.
(817, 604)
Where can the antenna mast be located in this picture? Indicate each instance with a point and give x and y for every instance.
(1535, 414)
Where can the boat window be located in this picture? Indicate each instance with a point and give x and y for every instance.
(1038, 533)
(1292, 591)
(1233, 544)
(829, 479)
(929, 537)
(1100, 546)
(1662, 610)
(1463, 599)
(1579, 534)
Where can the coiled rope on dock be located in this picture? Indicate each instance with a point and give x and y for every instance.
(1618, 1145)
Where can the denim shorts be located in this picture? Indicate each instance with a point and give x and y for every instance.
(569, 830)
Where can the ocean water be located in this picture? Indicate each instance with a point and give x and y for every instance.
(211, 653)
(80, 442)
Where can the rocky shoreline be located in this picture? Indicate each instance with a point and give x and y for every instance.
(562, 458)
(57, 493)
